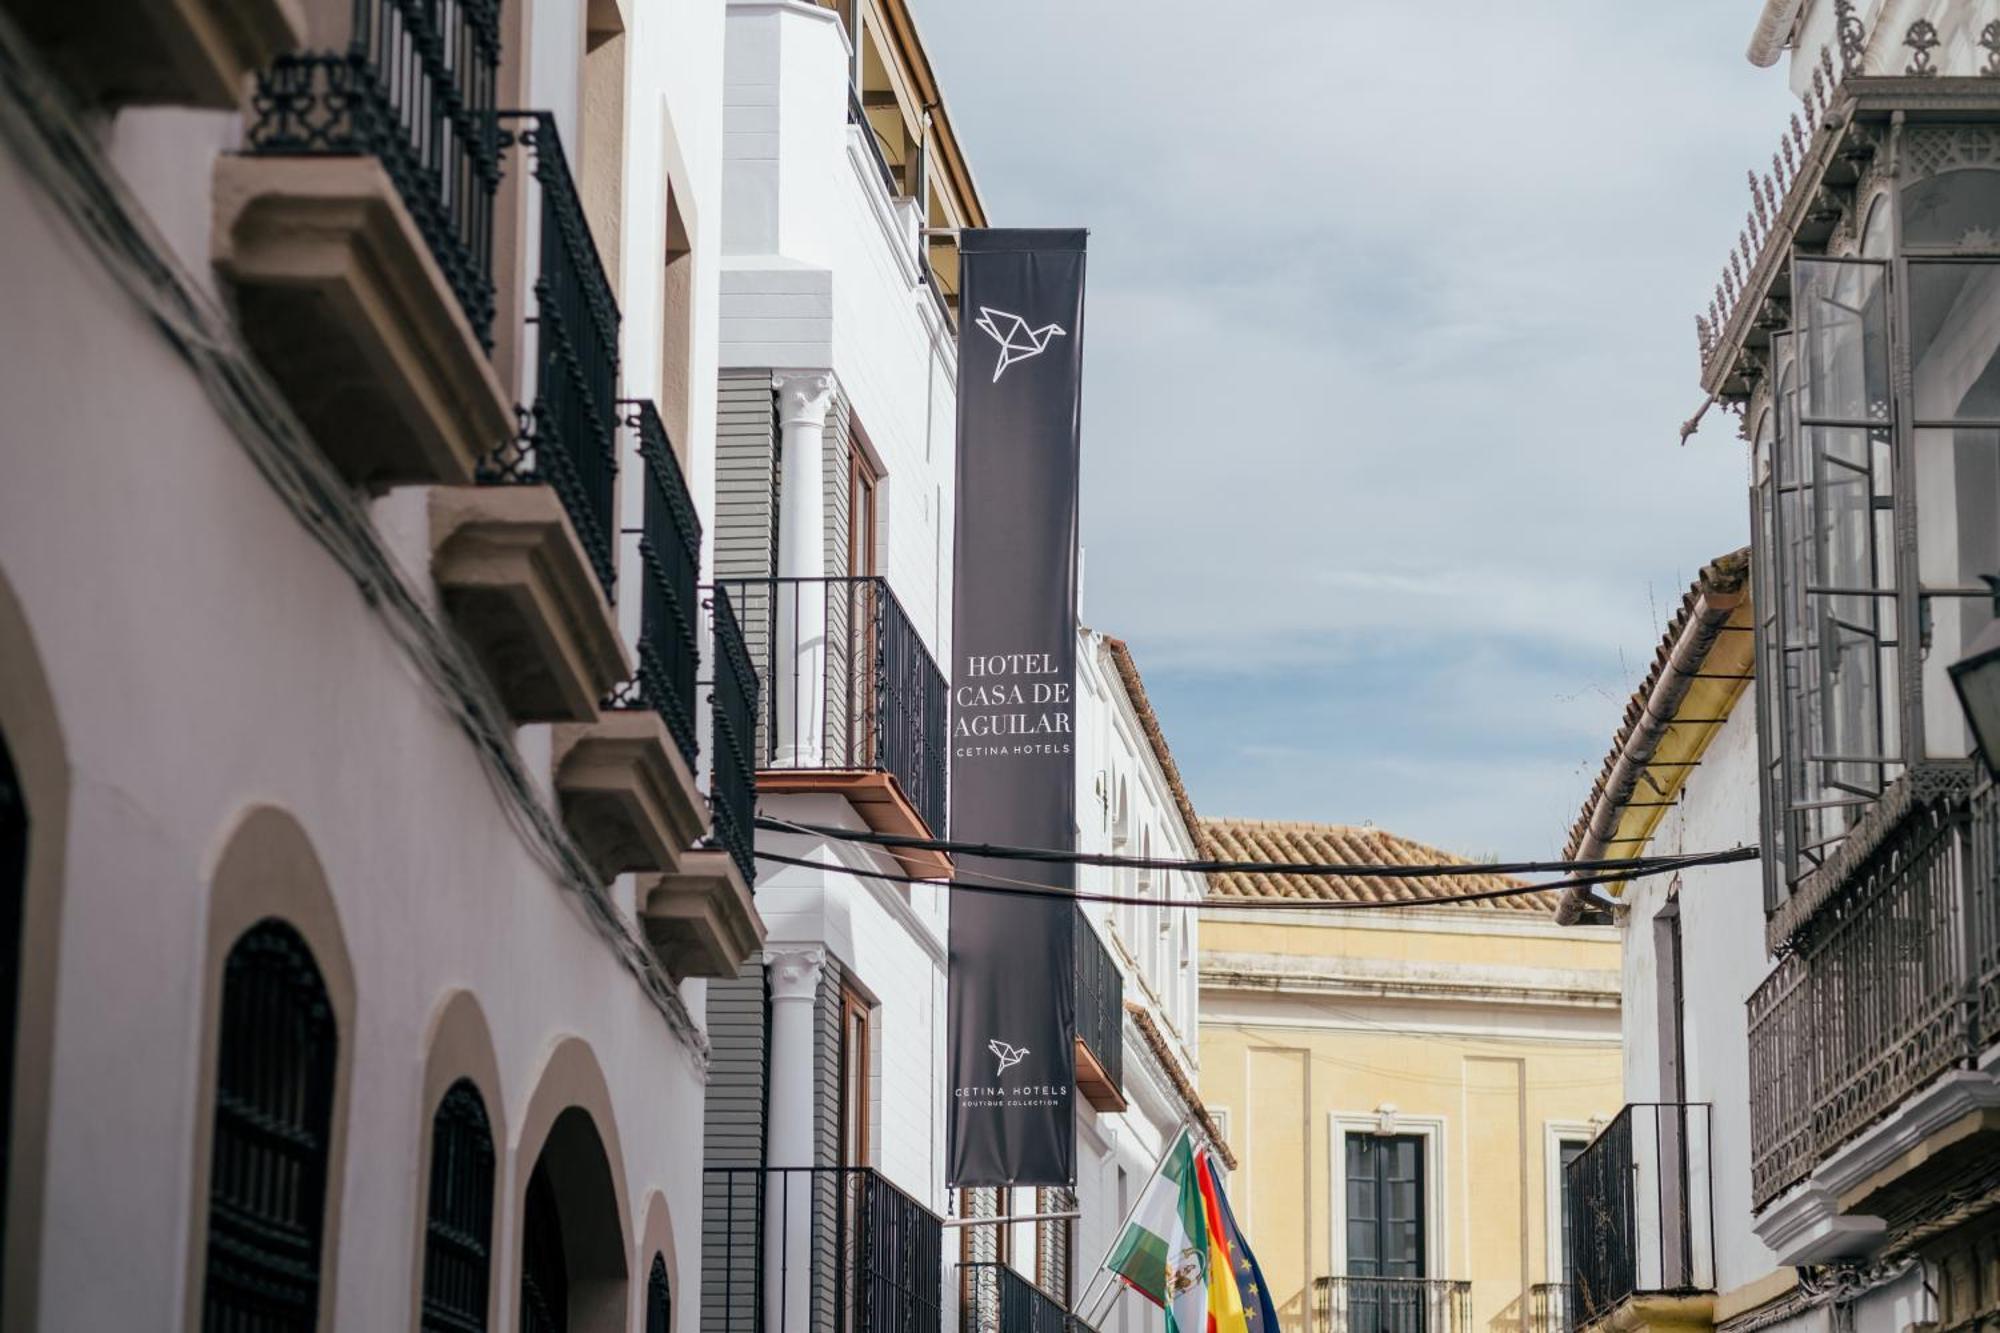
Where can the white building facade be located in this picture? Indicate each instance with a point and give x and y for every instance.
(367, 830)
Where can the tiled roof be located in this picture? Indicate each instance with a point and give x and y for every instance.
(1135, 689)
(1337, 844)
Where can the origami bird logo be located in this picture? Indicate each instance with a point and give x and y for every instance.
(1008, 1056)
(1017, 341)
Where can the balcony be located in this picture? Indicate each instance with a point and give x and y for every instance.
(627, 780)
(178, 52)
(853, 703)
(1643, 1218)
(701, 920)
(1391, 1305)
(825, 1249)
(524, 560)
(1865, 1041)
(357, 232)
(1100, 1021)
(995, 1298)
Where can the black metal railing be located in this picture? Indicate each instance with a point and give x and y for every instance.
(1391, 1305)
(569, 436)
(828, 1249)
(670, 573)
(1100, 1001)
(1548, 1308)
(857, 115)
(1893, 981)
(847, 683)
(732, 779)
(997, 1298)
(1642, 1217)
(415, 89)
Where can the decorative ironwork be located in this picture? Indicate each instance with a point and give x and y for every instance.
(1893, 981)
(1853, 38)
(1922, 38)
(414, 89)
(847, 683)
(569, 434)
(995, 1298)
(273, 1115)
(732, 782)
(659, 1297)
(1989, 42)
(1392, 1305)
(670, 564)
(841, 1243)
(1643, 1218)
(458, 1235)
(1100, 1002)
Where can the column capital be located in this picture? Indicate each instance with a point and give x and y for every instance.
(795, 972)
(803, 396)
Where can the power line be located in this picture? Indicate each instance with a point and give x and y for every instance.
(1607, 871)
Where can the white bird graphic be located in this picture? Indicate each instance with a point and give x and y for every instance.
(1009, 1056)
(1017, 341)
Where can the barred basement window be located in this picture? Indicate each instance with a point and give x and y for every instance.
(659, 1297)
(273, 1113)
(458, 1237)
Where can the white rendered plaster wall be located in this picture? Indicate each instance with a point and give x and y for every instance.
(1723, 961)
(207, 655)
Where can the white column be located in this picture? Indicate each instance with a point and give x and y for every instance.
(795, 977)
(799, 608)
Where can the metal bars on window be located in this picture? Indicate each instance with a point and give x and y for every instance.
(458, 1232)
(1100, 1001)
(275, 1053)
(1645, 1211)
(670, 571)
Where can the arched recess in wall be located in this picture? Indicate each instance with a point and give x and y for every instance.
(268, 885)
(573, 1250)
(34, 831)
(656, 1262)
(458, 1278)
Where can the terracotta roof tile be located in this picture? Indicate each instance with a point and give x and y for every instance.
(1284, 842)
(1128, 673)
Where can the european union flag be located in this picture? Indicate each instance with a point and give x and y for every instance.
(1259, 1314)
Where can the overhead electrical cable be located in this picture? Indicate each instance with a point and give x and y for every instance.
(1610, 871)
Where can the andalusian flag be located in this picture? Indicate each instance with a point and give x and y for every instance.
(1182, 1251)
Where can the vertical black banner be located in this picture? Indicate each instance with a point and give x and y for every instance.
(1013, 751)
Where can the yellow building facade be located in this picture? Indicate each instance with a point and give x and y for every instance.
(1401, 1083)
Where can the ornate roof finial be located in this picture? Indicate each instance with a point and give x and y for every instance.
(1756, 219)
(1852, 36)
(1922, 38)
(1989, 42)
(1791, 162)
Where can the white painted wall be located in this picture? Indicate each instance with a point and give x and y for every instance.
(207, 655)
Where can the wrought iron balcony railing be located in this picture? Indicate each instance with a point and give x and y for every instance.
(569, 433)
(847, 683)
(732, 780)
(1391, 1305)
(1548, 1308)
(1100, 1002)
(1641, 1209)
(670, 568)
(996, 1298)
(819, 1249)
(1894, 981)
(415, 89)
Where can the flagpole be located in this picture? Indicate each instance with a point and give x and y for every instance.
(1083, 1306)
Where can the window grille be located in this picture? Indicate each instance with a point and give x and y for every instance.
(273, 1112)
(459, 1233)
(659, 1297)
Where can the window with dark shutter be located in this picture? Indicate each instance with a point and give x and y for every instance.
(458, 1235)
(273, 1113)
(659, 1297)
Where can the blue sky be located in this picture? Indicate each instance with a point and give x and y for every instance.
(1390, 332)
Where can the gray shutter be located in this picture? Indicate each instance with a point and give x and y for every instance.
(733, 1136)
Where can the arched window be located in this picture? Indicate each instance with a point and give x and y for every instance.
(659, 1297)
(273, 1116)
(458, 1236)
(544, 1270)
(13, 893)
